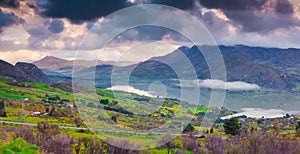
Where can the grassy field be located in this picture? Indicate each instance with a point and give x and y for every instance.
(113, 115)
(113, 111)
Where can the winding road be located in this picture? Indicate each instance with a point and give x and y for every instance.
(100, 130)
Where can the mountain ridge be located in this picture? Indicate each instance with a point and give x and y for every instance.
(267, 67)
(22, 71)
(242, 63)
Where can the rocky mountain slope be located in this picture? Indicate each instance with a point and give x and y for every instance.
(22, 72)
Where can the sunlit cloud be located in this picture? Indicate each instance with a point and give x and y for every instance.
(21, 55)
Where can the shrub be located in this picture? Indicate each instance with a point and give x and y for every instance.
(232, 126)
(91, 105)
(119, 146)
(60, 145)
(19, 146)
(298, 129)
(189, 128)
(114, 118)
(26, 133)
(167, 141)
(190, 142)
(2, 105)
(78, 121)
(104, 101)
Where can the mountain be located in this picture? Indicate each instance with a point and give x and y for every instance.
(32, 72)
(8, 70)
(183, 58)
(52, 65)
(50, 62)
(266, 67)
(274, 57)
(22, 72)
(240, 68)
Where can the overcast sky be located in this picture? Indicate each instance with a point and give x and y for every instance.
(32, 29)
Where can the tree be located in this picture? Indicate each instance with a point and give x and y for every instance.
(2, 109)
(167, 141)
(114, 118)
(45, 128)
(189, 128)
(27, 133)
(60, 144)
(211, 130)
(276, 126)
(298, 129)
(104, 101)
(78, 121)
(232, 126)
(92, 146)
(2, 105)
(190, 142)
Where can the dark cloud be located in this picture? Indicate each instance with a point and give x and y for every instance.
(7, 19)
(78, 22)
(37, 35)
(234, 4)
(148, 33)
(259, 22)
(284, 7)
(181, 4)
(39, 31)
(77, 10)
(249, 15)
(56, 26)
(10, 3)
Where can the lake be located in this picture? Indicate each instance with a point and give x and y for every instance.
(250, 103)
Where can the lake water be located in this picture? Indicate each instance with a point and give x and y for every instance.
(253, 104)
(259, 113)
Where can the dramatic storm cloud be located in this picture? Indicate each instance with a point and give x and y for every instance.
(50, 25)
(258, 15)
(181, 4)
(10, 3)
(146, 33)
(234, 4)
(7, 19)
(78, 10)
(284, 7)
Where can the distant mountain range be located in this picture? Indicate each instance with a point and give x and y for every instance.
(61, 67)
(57, 66)
(268, 67)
